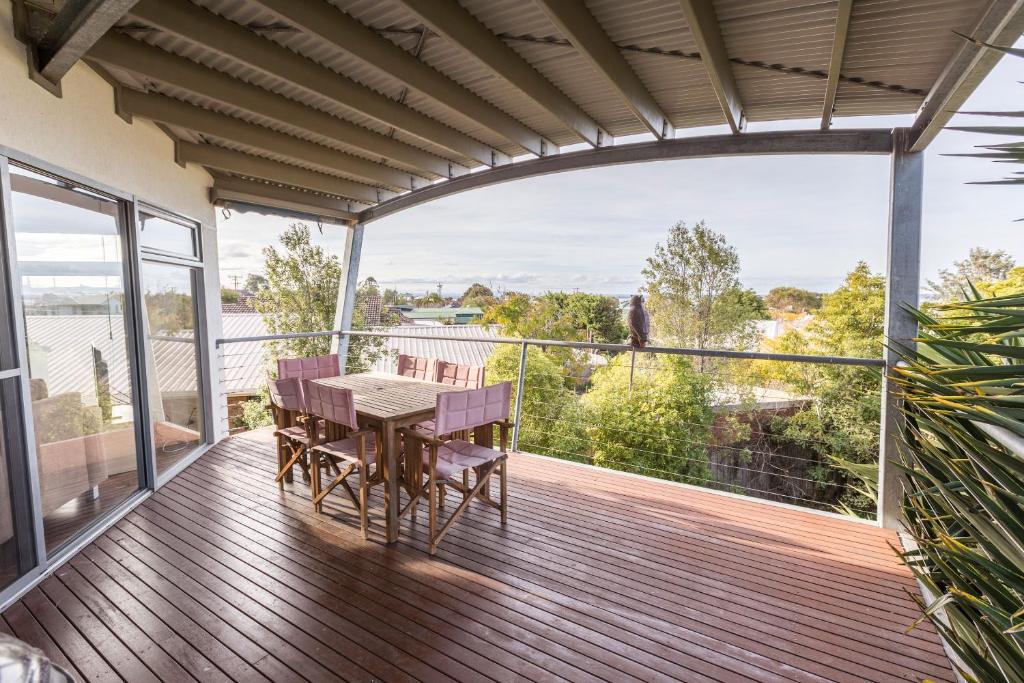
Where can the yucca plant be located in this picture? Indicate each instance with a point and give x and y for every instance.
(963, 454)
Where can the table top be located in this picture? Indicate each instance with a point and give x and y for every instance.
(384, 396)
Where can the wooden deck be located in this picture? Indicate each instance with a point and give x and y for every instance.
(597, 577)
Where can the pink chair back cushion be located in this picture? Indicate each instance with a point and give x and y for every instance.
(458, 410)
(287, 394)
(316, 367)
(465, 376)
(331, 403)
(416, 367)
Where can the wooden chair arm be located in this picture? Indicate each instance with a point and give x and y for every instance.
(420, 436)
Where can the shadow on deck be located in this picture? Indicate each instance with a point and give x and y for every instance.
(597, 577)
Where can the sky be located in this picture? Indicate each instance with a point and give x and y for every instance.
(803, 221)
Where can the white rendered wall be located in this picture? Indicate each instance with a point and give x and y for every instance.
(79, 132)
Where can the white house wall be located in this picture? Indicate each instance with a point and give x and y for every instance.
(79, 132)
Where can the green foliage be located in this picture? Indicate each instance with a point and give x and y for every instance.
(793, 299)
(508, 312)
(597, 317)
(551, 421)
(962, 450)
(254, 282)
(169, 312)
(660, 428)
(301, 293)
(392, 297)
(981, 265)
(692, 283)
(478, 295)
(229, 296)
(254, 413)
(430, 300)
(841, 423)
(1013, 283)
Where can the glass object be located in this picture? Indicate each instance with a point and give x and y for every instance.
(176, 407)
(70, 264)
(165, 236)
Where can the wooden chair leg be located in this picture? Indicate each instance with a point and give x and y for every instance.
(465, 484)
(364, 489)
(280, 463)
(432, 484)
(503, 472)
(314, 484)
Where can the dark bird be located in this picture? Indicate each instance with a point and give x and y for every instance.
(639, 322)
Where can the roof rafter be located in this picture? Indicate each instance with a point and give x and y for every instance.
(835, 62)
(456, 25)
(229, 189)
(174, 112)
(700, 15)
(240, 163)
(589, 39)
(346, 33)
(1001, 25)
(158, 65)
(227, 38)
(72, 31)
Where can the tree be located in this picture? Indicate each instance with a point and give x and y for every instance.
(254, 282)
(391, 297)
(661, 428)
(301, 293)
(599, 317)
(840, 425)
(981, 265)
(508, 312)
(692, 283)
(1012, 284)
(792, 300)
(478, 295)
(550, 422)
(430, 300)
(228, 296)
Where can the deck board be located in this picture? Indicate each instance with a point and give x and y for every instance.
(598, 577)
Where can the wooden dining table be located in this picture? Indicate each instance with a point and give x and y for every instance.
(388, 402)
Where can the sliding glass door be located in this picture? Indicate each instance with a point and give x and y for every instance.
(71, 265)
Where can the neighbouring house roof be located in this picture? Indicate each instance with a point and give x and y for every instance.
(463, 352)
(371, 308)
(444, 313)
(61, 353)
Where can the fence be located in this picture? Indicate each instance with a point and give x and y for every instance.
(791, 428)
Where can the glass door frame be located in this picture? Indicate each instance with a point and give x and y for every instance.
(204, 371)
(26, 504)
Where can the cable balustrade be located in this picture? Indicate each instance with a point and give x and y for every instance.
(743, 422)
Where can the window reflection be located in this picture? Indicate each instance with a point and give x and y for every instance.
(175, 398)
(69, 261)
(163, 235)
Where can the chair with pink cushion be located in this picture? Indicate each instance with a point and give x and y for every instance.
(315, 367)
(460, 412)
(342, 446)
(289, 410)
(456, 375)
(417, 368)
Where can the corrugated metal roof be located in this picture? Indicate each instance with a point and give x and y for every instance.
(462, 352)
(778, 52)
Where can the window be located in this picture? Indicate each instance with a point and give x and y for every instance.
(164, 235)
(176, 399)
(70, 263)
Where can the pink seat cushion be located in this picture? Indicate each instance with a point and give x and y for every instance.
(456, 456)
(346, 449)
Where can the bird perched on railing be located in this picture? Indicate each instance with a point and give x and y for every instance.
(639, 322)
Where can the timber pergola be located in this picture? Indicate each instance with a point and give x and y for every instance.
(348, 111)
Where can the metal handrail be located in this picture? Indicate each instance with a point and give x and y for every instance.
(670, 350)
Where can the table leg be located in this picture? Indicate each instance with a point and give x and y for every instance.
(392, 500)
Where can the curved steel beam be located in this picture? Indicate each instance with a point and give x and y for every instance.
(863, 141)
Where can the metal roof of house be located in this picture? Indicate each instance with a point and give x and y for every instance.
(462, 352)
(354, 108)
